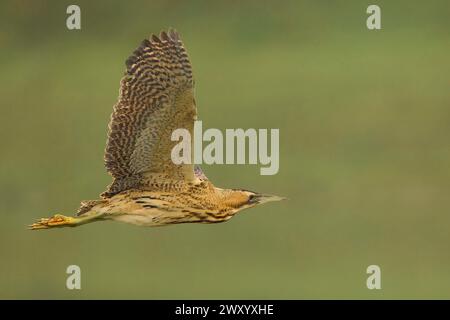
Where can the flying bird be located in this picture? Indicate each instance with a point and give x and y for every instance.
(148, 189)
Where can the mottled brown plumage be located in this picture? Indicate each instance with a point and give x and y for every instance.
(156, 97)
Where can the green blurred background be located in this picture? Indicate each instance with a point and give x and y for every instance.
(364, 120)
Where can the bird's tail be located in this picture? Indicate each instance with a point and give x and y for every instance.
(87, 205)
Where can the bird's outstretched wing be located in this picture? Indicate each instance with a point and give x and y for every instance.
(156, 97)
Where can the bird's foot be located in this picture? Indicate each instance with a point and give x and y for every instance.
(56, 221)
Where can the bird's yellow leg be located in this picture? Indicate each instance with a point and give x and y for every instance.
(60, 221)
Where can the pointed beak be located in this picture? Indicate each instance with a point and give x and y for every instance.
(263, 198)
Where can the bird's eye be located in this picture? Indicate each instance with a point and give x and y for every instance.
(252, 198)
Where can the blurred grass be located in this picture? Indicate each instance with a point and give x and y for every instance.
(364, 126)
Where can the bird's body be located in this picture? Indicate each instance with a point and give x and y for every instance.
(148, 188)
(201, 202)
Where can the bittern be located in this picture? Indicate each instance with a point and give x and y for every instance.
(148, 188)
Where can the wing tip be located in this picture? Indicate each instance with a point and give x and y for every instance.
(171, 35)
